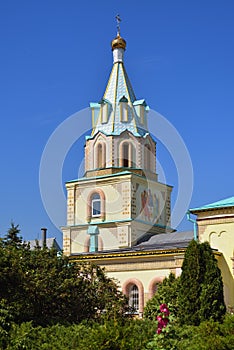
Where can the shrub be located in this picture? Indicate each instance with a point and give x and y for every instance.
(208, 335)
(167, 293)
(111, 335)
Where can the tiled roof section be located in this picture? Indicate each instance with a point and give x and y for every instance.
(224, 203)
(118, 90)
(119, 85)
(50, 243)
(168, 240)
(159, 242)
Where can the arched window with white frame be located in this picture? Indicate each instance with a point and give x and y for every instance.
(96, 205)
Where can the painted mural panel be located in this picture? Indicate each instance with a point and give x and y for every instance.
(151, 204)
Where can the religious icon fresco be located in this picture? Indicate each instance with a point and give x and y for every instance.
(151, 204)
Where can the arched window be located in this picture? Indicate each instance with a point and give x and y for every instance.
(100, 155)
(126, 159)
(124, 112)
(147, 155)
(123, 102)
(96, 205)
(134, 290)
(127, 153)
(153, 286)
(134, 297)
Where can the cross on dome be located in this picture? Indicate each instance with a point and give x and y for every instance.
(118, 42)
(118, 20)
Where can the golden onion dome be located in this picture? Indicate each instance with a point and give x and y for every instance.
(118, 43)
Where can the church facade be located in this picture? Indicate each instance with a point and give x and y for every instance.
(118, 213)
(215, 223)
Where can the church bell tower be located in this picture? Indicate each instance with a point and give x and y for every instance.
(119, 201)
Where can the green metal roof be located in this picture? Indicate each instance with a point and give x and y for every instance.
(228, 202)
(125, 172)
(139, 102)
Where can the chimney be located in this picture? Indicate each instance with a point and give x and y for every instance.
(43, 236)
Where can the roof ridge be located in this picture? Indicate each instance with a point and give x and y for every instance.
(226, 202)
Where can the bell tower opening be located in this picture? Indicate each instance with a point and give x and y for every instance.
(126, 159)
(100, 155)
(147, 155)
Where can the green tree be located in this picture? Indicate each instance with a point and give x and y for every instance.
(167, 293)
(12, 237)
(190, 286)
(201, 287)
(197, 295)
(212, 304)
(5, 323)
(46, 289)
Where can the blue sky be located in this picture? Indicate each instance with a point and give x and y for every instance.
(56, 58)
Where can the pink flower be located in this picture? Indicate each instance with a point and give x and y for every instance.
(164, 322)
(163, 308)
(160, 324)
(159, 330)
(162, 319)
(167, 312)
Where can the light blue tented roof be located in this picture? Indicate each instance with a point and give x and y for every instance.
(119, 89)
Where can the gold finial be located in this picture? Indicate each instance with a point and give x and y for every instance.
(118, 42)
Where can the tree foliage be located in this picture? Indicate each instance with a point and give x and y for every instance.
(167, 293)
(130, 335)
(212, 304)
(201, 287)
(12, 237)
(208, 335)
(47, 289)
(197, 295)
(111, 335)
(190, 285)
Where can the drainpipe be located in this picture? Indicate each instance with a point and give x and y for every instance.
(194, 225)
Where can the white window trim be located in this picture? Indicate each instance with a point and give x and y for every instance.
(95, 201)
